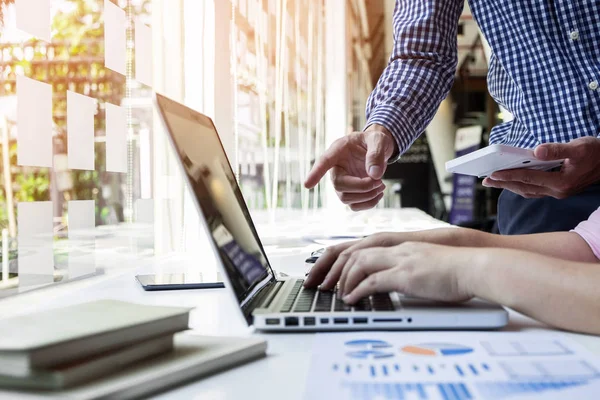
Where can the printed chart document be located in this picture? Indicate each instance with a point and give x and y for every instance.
(451, 366)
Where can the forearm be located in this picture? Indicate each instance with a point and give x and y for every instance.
(561, 294)
(457, 237)
(564, 245)
(421, 69)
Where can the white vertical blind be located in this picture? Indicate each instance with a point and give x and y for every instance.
(262, 78)
(336, 98)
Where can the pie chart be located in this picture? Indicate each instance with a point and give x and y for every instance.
(369, 354)
(366, 349)
(436, 349)
(368, 344)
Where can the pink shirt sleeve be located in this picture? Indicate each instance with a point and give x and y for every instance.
(589, 230)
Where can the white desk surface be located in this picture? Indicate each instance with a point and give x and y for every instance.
(282, 374)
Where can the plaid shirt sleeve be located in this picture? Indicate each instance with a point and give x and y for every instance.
(421, 69)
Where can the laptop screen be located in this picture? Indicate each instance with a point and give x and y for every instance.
(213, 183)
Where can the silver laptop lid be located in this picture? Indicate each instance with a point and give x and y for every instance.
(219, 198)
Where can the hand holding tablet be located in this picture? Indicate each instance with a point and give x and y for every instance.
(498, 157)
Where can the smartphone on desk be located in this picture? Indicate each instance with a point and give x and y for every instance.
(178, 281)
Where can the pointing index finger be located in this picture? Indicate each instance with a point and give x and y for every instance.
(327, 161)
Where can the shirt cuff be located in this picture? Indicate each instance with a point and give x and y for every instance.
(398, 124)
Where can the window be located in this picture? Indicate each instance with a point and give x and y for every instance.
(52, 211)
(257, 67)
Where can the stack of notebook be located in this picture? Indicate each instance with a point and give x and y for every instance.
(63, 347)
(111, 349)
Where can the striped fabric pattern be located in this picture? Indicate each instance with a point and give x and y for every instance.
(545, 68)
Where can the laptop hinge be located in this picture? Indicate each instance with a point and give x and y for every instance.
(257, 300)
(271, 295)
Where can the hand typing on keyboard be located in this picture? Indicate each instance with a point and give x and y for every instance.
(308, 300)
(417, 269)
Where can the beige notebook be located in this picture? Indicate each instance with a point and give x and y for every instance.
(53, 337)
(88, 369)
(193, 357)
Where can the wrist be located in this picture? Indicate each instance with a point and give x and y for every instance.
(386, 132)
(379, 128)
(473, 270)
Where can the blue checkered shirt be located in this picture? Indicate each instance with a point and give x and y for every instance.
(545, 68)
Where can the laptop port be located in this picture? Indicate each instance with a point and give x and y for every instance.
(309, 321)
(291, 321)
(272, 321)
(340, 321)
(387, 319)
(360, 320)
(409, 320)
(324, 320)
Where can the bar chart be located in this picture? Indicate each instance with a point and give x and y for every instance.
(455, 366)
(378, 369)
(421, 391)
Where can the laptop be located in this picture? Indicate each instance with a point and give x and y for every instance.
(270, 303)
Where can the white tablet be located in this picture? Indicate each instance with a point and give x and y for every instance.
(498, 157)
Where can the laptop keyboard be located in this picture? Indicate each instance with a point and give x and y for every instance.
(302, 299)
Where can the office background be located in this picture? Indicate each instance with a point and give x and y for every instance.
(281, 78)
